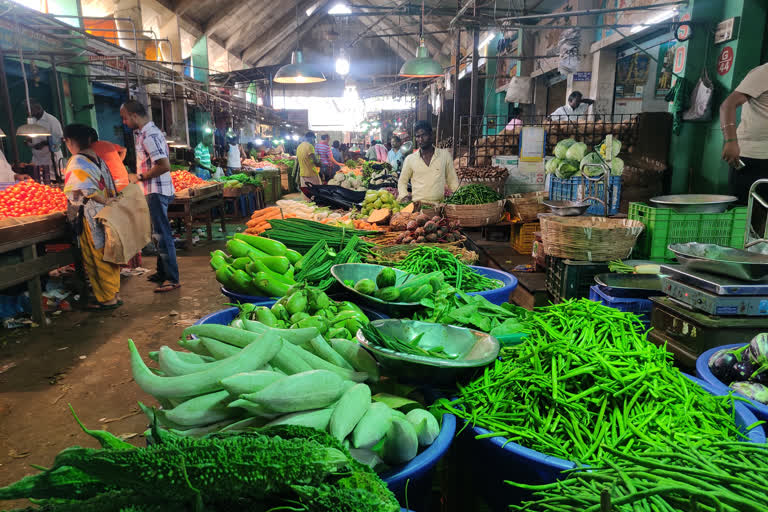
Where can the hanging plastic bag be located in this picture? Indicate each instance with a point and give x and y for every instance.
(218, 174)
(568, 50)
(519, 90)
(701, 100)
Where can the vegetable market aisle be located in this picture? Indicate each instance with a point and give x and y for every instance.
(81, 359)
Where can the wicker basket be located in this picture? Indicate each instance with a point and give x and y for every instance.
(529, 206)
(589, 238)
(474, 215)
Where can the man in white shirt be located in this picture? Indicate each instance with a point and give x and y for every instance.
(430, 170)
(747, 141)
(46, 150)
(576, 107)
(395, 155)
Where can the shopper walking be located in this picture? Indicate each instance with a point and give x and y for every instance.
(308, 162)
(323, 152)
(430, 171)
(113, 156)
(88, 186)
(153, 173)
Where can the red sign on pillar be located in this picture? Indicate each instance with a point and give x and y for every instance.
(725, 61)
(679, 59)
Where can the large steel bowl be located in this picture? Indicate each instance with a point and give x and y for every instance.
(694, 203)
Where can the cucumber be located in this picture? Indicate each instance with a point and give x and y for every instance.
(324, 350)
(253, 409)
(172, 364)
(400, 443)
(414, 293)
(249, 382)
(321, 364)
(194, 345)
(386, 278)
(218, 349)
(352, 406)
(373, 426)
(388, 294)
(425, 425)
(295, 336)
(201, 410)
(237, 337)
(316, 418)
(289, 362)
(315, 389)
(365, 286)
(251, 358)
(360, 359)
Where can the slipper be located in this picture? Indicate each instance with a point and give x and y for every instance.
(104, 307)
(167, 287)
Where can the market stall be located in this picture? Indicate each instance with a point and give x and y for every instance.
(196, 200)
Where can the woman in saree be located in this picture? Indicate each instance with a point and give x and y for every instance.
(88, 185)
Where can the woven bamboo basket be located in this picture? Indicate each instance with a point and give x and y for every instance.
(496, 184)
(474, 215)
(529, 206)
(589, 238)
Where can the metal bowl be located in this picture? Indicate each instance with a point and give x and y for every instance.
(724, 261)
(567, 208)
(474, 349)
(694, 203)
(358, 271)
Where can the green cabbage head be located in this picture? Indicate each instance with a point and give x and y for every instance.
(562, 147)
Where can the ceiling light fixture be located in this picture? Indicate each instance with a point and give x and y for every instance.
(340, 9)
(422, 66)
(662, 16)
(342, 64)
(297, 72)
(31, 129)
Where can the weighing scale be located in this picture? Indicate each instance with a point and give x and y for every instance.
(715, 295)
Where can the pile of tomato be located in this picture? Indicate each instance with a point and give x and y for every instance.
(29, 197)
(183, 180)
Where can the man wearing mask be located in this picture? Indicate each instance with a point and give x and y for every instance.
(574, 110)
(153, 173)
(429, 171)
(46, 150)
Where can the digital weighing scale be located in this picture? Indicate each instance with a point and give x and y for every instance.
(715, 295)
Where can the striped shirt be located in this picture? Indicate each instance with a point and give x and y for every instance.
(203, 153)
(323, 152)
(151, 147)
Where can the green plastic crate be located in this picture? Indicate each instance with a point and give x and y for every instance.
(664, 226)
(570, 279)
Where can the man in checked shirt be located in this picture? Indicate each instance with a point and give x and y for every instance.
(153, 173)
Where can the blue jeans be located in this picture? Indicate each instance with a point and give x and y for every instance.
(167, 267)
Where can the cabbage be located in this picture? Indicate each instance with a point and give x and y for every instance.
(616, 148)
(562, 147)
(617, 166)
(591, 158)
(566, 169)
(576, 151)
(552, 164)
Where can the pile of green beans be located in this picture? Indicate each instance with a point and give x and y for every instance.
(301, 234)
(586, 381)
(473, 194)
(722, 477)
(425, 259)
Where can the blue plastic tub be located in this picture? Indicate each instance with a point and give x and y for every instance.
(577, 188)
(501, 460)
(640, 306)
(239, 298)
(702, 371)
(499, 295)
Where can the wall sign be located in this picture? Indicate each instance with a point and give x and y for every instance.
(679, 59)
(582, 76)
(727, 30)
(683, 32)
(725, 61)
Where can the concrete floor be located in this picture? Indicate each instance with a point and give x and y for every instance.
(81, 359)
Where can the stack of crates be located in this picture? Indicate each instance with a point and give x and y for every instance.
(640, 307)
(664, 226)
(569, 279)
(579, 188)
(523, 236)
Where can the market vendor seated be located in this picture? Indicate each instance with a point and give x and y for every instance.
(429, 170)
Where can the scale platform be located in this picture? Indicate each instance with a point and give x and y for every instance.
(715, 295)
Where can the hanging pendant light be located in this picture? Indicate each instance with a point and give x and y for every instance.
(31, 128)
(298, 72)
(422, 66)
(2, 133)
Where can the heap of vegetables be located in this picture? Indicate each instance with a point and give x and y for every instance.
(447, 306)
(383, 201)
(260, 220)
(721, 476)
(410, 289)
(257, 266)
(183, 180)
(474, 193)
(267, 376)
(418, 228)
(320, 258)
(571, 158)
(586, 384)
(277, 468)
(240, 179)
(29, 197)
(745, 369)
(301, 235)
(427, 259)
(347, 180)
(375, 169)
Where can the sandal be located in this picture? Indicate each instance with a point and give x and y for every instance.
(104, 307)
(167, 287)
(155, 278)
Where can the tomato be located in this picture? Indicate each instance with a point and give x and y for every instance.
(31, 198)
(183, 180)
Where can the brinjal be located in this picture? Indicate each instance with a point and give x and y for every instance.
(744, 369)
(751, 390)
(722, 363)
(758, 348)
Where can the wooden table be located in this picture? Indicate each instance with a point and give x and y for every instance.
(198, 204)
(24, 234)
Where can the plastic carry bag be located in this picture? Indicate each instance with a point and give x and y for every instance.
(701, 100)
(219, 173)
(519, 90)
